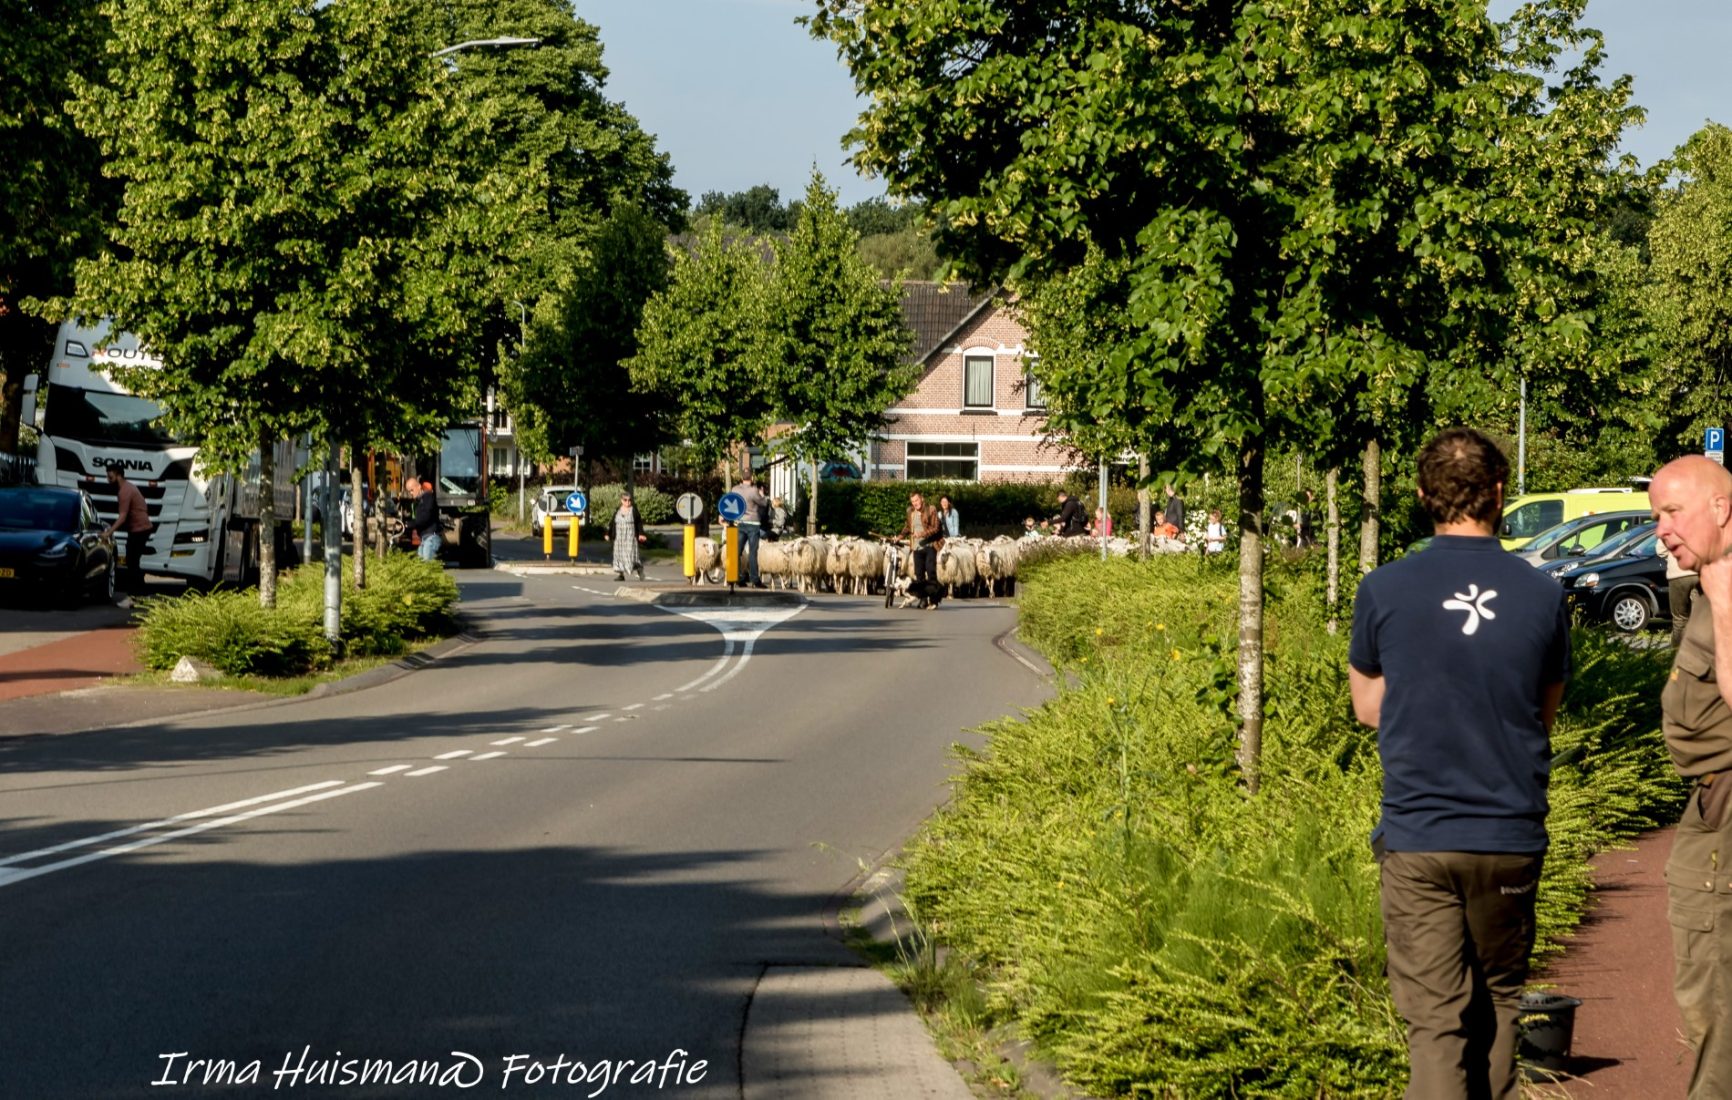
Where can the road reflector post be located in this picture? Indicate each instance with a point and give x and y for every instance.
(547, 538)
(732, 554)
(690, 561)
(571, 540)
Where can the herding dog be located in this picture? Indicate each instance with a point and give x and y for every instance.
(922, 594)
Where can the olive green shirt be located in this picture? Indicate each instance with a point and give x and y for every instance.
(1694, 716)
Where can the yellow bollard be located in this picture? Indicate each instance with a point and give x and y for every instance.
(732, 554)
(571, 540)
(691, 555)
(547, 538)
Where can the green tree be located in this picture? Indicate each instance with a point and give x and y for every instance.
(1690, 292)
(757, 209)
(838, 339)
(55, 201)
(304, 236)
(1315, 203)
(571, 387)
(705, 342)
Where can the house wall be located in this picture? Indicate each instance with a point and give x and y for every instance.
(1011, 439)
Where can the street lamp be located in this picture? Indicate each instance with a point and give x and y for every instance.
(479, 43)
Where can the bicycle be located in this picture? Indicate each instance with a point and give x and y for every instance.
(892, 569)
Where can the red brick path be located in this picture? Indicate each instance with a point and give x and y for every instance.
(75, 662)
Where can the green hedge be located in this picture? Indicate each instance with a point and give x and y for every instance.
(1153, 929)
(655, 505)
(405, 599)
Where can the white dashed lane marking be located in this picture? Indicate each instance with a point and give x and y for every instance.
(418, 772)
(597, 717)
(489, 756)
(664, 695)
(556, 729)
(508, 741)
(454, 754)
(392, 769)
(586, 729)
(538, 744)
(634, 706)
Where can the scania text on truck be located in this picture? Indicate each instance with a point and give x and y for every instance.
(206, 523)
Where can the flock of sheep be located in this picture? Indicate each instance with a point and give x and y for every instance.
(849, 565)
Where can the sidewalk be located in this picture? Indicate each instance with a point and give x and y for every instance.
(67, 664)
(1627, 1040)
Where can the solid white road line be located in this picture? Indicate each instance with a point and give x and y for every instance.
(393, 768)
(538, 744)
(489, 756)
(418, 772)
(453, 755)
(10, 876)
(508, 741)
(745, 655)
(721, 663)
(193, 815)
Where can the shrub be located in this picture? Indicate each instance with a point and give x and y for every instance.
(405, 599)
(656, 506)
(231, 632)
(1153, 928)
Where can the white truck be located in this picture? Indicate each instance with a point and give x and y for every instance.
(207, 524)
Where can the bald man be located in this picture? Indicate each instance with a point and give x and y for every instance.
(1692, 500)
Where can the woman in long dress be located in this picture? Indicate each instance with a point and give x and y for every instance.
(626, 534)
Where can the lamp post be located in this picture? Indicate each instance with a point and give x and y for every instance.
(486, 43)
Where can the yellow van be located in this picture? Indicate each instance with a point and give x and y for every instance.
(1533, 514)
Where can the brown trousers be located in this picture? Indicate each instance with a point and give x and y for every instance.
(1459, 927)
(1699, 906)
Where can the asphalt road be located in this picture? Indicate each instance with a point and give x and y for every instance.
(631, 818)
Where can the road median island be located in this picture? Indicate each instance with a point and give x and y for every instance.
(1101, 885)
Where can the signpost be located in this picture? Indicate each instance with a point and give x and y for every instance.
(1714, 444)
(731, 508)
(577, 504)
(689, 507)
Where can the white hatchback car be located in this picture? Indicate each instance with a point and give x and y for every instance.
(550, 508)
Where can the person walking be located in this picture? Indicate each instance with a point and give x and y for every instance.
(1692, 499)
(921, 528)
(949, 518)
(1458, 659)
(1173, 515)
(751, 525)
(132, 517)
(428, 527)
(626, 534)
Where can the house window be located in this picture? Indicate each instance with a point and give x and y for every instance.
(501, 461)
(1032, 397)
(643, 464)
(943, 461)
(977, 381)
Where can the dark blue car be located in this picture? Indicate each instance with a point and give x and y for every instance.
(53, 546)
(1626, 589)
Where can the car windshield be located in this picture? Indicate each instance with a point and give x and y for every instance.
(460, 462)
(37, 511)
(1619, 543)
(1565, 530)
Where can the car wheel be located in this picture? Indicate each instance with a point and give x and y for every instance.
(1629, 611)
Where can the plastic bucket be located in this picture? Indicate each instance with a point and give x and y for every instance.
(1548, 1022)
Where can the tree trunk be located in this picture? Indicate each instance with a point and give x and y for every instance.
(359, 532)
(1373, 507)
(1144, 508)
(267, 522)
(1332, 533)
(1251, 613)
(26, 346)
(812, 502)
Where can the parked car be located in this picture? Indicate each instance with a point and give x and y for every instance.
(1578, 538)
(52, 544)
(1528, 516)
(1627, 590)
(1611, 548)
(550, 508)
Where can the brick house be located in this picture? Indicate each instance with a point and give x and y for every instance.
(976, 413)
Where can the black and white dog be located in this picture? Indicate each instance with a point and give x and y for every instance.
(922, 594)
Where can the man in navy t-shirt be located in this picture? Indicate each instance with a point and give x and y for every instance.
(1458, 660)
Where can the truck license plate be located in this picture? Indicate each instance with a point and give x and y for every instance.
(6, 574)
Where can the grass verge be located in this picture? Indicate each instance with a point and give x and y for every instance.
(282, 685)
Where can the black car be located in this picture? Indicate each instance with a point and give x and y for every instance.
(1612, 548)
(53, 545)
(1627, 589)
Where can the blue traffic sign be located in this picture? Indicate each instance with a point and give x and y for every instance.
(1714, 439)
(577, 504)
(731, 507)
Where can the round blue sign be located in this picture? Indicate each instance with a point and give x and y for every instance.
(731, 507)
(577, 504)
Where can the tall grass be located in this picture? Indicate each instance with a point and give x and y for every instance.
(1159, 932)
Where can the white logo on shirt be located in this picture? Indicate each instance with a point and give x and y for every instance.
(1473, 601)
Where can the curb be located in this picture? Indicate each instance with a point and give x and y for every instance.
(540, 569)
(396, 670)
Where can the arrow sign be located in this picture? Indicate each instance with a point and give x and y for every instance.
(731, 507)
(577, 504)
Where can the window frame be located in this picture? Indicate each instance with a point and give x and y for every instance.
(942, 465)
(974, 356)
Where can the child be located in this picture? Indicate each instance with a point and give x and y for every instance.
(1215, 536)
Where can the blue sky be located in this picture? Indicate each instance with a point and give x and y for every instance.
(739, 95)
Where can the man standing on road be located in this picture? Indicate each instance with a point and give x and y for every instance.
(132, 517)
(921, 529)
(1692, 499)
(426, 522)
(1458, 660)
(751, 525)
